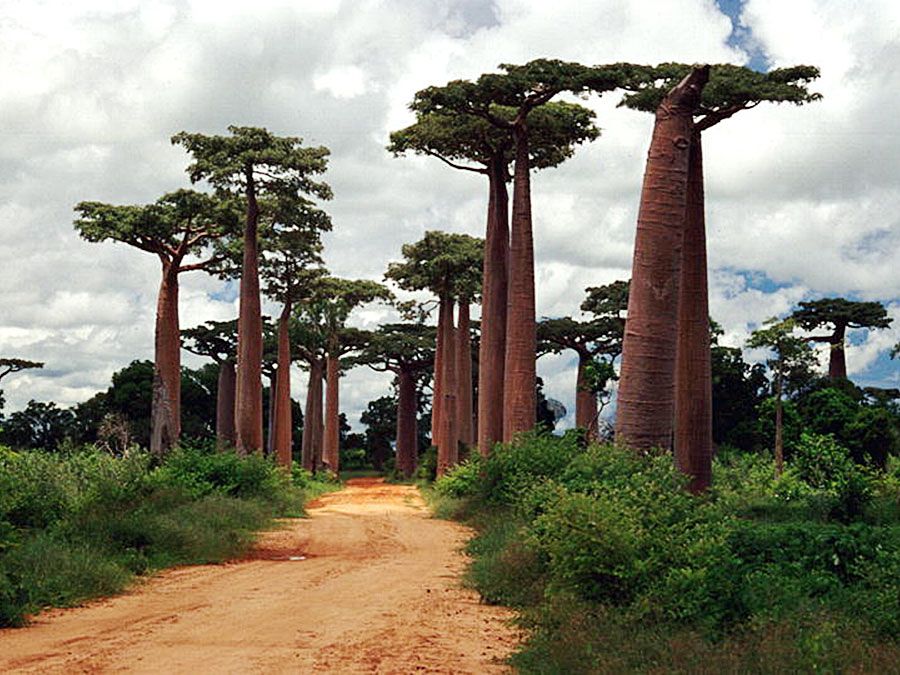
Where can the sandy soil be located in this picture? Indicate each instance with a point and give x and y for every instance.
(369, 583)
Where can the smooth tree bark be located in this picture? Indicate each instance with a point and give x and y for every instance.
(448, 438)
(437, 390)
(311, 449)
(406, 422)
(331, 450)
(165, 417)
(520, 372)
(645, 409)
(225, 406)
(492, 348)
(282, 422)
(585, 398)
(464, 400)
(693, 374)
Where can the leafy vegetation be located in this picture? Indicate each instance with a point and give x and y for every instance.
(82, 524)
(615, 567)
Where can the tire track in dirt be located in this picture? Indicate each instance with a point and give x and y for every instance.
(376, 591)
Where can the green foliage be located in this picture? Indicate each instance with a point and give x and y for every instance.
(444, 263)
(599, 547)
(78, 525)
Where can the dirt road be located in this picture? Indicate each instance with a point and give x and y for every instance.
(369, 583)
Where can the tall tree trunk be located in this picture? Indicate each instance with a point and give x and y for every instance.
(225, 406)
(448, 439)
(779, 424)
(645, 408)
(437, 395)
(492, 349)
(248, 398)
(693, 369)
(406, 423)
(465, 421)
(520, 373)
(319, 416)
(282, 427)
(837, 358)
(310, 447)
(585, 399)
(331, 452)
(165, 416)
(270, 413)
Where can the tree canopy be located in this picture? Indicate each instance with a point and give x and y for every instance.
(443, 263)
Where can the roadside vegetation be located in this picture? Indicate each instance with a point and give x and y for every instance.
(615, 567)
(83, 523)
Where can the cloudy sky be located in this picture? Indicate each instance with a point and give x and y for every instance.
(802, 202)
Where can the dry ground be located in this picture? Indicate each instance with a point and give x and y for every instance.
(369, 583)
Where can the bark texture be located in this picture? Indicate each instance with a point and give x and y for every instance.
(165, 427)
(311, 448)
(492, 349)
(693, 372)
(406, 423)
(465, 421)
(837, 358)
(520, 374)
(330, 451)
(447, 452)
(225, 406)
(645, 408)
(585, 399)
(248, 395)
(437, 391)
(283, 423)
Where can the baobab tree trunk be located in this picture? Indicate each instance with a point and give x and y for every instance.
(437, 396)
(520, 374)
(165, 416)
(465, 422)
(837, 358)
(270, 426)
(248, 397)
(492, 349)
(331, 452)
(283, 424)
(406, 423)
(225, 406)
(645, 407)
(693, 369)
(585, 399)
(447, 444)
(779, 425)
(310, 447)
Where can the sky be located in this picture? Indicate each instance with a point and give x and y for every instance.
(802, 202)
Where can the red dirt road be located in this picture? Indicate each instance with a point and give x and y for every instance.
(376, 591)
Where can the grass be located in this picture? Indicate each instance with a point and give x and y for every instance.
(83, 525)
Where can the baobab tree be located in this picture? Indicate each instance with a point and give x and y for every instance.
(274, 176)
(448, 265)
(790, 353)
(471, 143)
(308, 345)
(522, 88)
(730, 90)
(178, 228)
(407, 350)
(9, 366)
(217, 340)
(839, 314)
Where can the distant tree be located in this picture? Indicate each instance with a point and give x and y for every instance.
(738, 388)
(274, 176)
(839, 314)
(178, 227)
(379, 418)
(407, 351)
(790, 353)
(218, 340)
(40, 426)
(8, 366)
(471, 143)
(450, 266)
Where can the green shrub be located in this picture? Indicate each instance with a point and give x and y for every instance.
(463, 479)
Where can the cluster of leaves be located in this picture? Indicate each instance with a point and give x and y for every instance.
(595, 542)
(82, 524)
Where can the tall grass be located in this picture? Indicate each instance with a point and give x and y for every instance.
(83, 524)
